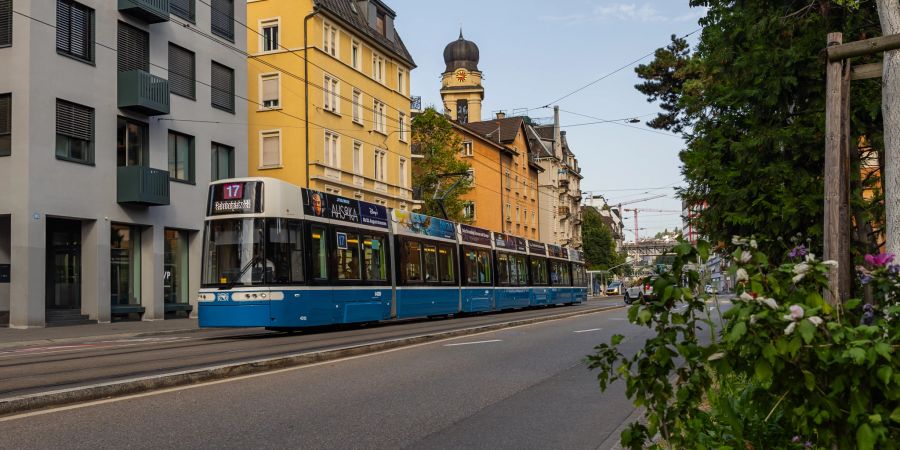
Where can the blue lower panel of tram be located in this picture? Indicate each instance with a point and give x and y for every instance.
(423, 302)
(512, 298)
(580, 295)
(477, 299)
(234, 314)
(540, 296)
(315, 307)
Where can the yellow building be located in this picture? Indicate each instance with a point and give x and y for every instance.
(328, 83)
(487, 159)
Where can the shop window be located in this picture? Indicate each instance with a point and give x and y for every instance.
(125, 265)
(175, 267)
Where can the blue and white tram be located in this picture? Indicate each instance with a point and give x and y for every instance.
(282, 257)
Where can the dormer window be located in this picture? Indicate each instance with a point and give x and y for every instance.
(380, 21)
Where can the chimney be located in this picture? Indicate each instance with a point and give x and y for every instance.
(501, 114)
(557, 136)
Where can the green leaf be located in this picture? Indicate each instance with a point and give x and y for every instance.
(807, 330)
(895, 416)
(810, 380)
(737, 332)
(852, 304)
(644, 316)
(763, 372)
(617, 339)
(884, 374)
(857, 354)
(865, 437)
(884, 350)
(703, 249)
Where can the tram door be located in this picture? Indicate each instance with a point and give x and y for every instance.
(63, 273)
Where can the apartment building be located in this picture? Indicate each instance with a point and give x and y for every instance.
(560, 185)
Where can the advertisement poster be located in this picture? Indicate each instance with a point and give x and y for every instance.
(415, 223)
(537, 248)
(507, 242)
(373, 215)
(474, 235)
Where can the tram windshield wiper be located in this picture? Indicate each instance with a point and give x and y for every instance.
(240, 274)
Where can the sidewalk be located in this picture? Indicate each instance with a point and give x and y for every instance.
(11, 337)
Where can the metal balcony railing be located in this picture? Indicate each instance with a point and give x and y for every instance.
(144, 93)
(150, 11)
(143, 186)
(415, 103)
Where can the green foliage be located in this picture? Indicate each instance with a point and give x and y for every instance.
(433, 136)
(781, 368)
(599, 245)
(749, 101)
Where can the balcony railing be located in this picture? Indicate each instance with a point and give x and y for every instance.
(150, 11)
(564, 211)
(144, 93)
(143, 186)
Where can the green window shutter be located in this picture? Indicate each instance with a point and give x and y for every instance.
(182, 70)
(5, 23)
(222, 12)
(222, 87)
(183, 8)
(75, 29)
(74, 120)
(133, 48)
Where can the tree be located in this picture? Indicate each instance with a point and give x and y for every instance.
(433, 137)
(599, 245)
(749, 101)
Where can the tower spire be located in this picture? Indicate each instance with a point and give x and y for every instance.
(460, 32)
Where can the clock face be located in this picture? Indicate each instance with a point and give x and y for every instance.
(462, 74)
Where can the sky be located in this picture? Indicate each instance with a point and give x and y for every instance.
(534, 52)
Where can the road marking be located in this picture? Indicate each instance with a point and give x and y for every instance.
(616, 318)
(587, 331)
(473, 343)
(94, 345)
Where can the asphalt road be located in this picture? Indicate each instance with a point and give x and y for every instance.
(524, 387)
(39, 368)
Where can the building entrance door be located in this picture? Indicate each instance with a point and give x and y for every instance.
(63, 264)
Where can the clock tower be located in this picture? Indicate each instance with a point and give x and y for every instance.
(461, 88)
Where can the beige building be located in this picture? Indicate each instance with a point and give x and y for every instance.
(560, 185)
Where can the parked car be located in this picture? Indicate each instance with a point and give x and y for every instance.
(641, 291)
(614, 288)
(710, 289)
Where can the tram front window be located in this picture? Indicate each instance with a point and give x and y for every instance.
(234, 252)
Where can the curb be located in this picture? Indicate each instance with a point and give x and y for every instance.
(104, 337)
(132, 386)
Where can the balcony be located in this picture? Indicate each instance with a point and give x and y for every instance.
(142, 186)
(415, 103)
(564, 211)
(150, 11)
(142, 92)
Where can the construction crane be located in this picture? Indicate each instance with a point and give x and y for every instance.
(635, 211)
(640, 200)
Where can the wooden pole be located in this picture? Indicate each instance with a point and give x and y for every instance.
(843, 250)
(833, 169)
(841, 52)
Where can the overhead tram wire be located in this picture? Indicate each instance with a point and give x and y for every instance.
(601, 120)
(547, 105)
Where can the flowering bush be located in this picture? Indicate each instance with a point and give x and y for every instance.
(808, 374)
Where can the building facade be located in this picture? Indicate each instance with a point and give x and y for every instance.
(487, 159)
(105, 172)
(334, 117)
(560, 185)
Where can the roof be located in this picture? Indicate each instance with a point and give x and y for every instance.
(353, 17)
(483, 138)
(503, 131)
(545, 131)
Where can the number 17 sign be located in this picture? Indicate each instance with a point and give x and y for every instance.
(233, 191)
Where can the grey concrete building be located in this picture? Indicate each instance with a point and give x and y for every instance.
(114, 117)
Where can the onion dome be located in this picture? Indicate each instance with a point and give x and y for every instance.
(461, 54)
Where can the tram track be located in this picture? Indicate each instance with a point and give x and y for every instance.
(35, 381)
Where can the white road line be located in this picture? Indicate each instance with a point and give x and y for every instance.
(587, 331)
(616, 318)
(473, 343)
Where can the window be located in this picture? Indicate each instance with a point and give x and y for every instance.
(508, 211)
(5, 124)
(222, 86)
(75, 30)
(477, 266)
(125, 265)
(471, 174)
(132, 143)
(270, 90)
(181, 157)
(134, 48)
(467, 149)
(349, 266)
(538, 271)
(380, 165)
(74, 132)
(357, 158)
(175, 266)
(375, 258)
(503, 269)
(462, 111)
(222, 161)
(508, 181)
(269, 149)
(402, 124)
(182, 72)
(332, 149)
(469, 210)
(378, 68)
(222, 12)
(186, 9)
(330, 39)
(357, 107)
(431, 264)
(380, 20)
(411, 258)
(284, 256)
(401, 82)
(446, 263)
(269, 40)
(355, 55)
(518, 216)
(6, 23)
(332, 92)
(402, 168)
(533, 218)
(318, 253)
(380, 117)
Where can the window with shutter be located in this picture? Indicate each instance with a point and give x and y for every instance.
(222, 161)
(5, 23)
(182, 72)
(5, 124)
(75, 30)
(74, 132)
(133, 48)
(183, 8)
(223, 18)
(222, 87)
(270, 97)
(181, 157)
(270, 149)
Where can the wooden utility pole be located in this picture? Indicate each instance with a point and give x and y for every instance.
(834, 180)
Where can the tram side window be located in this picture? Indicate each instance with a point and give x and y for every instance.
(375, 258)
(318, 253)
(484, 266)
(295, 229)
(412, 261)
(522, 269)
(559, 274)
(278, 253)
(348, 261)
(446, 263)
(431, 264)
(478, 266)
(502, 269)
(538, 271)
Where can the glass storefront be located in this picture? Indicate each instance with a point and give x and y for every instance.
(125, 265)
(175, 267)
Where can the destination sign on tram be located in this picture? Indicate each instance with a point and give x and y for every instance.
(239, 197)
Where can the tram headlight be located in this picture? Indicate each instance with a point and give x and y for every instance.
(263, 295)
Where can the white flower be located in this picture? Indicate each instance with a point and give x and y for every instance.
(770, 302)
(810, 257)
(830, 263)
(796, 312)
(742, 275)
(790, 328)
(801, 268)
(816, 320)
(797, 278)
(736, 240)
(752, 319)
(745, 257)
(746, 297)
(753, 243)
(715, 356)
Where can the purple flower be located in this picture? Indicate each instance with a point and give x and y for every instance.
(865, 279)
(798, 252)
(807, 444)
(894, 269)
(879, 260)
(796, 439)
